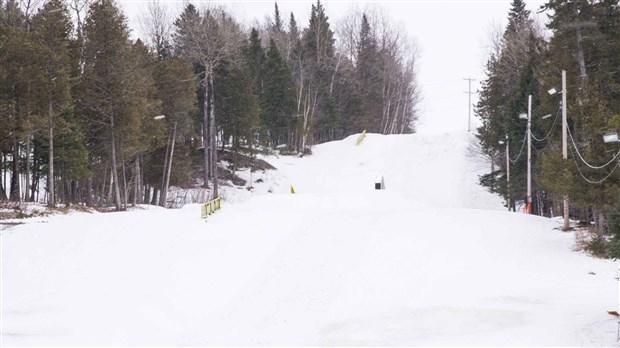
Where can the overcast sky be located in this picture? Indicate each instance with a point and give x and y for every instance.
(452, 37)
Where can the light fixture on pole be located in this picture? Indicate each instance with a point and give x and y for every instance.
(553, 91)
(611, 137)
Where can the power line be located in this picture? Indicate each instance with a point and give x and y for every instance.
(550, 130)
(583, 160)
(584, 177)
(520, 151)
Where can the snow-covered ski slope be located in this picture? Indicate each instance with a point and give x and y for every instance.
(432, 260)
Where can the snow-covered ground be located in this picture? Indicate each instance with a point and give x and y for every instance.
(431, 260)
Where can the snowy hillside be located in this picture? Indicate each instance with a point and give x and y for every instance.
(431, 260)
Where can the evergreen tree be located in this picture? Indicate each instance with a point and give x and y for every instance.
(175, 90)
(511, 77)
(320, 109)
(238, 105)
(107, 99)
(293, 37)
(369, 77)
(279, 97)
(585, 44)
(52, 26)
(277, 20)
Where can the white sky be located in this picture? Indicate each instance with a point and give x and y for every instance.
(451, 35)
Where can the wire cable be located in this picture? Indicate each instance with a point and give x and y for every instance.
(584, 161)
(555, 121)
(584, 177)
(513, 161)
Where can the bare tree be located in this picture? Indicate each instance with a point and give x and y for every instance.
(155, 23)
(80, 10)
(398, 57)
(208, 41)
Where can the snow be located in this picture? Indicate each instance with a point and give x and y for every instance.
(432, 260)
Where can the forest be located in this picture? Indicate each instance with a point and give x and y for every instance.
(90, 116)
(568, 68)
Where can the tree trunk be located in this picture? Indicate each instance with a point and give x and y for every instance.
(580, 56)
(205, 130)
(89, 195)
(50, 174)
(164, 193)
(600, 222)
(141, 176)
(117, 191)
(2, 178)
(147, 194)
(163, 175)
(14, 193)
(136, 180)
(154, 198)
(28, 168)
(69, 192)
(213, 138)
(124, 179)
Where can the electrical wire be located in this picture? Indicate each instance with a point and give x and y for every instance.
(555, 121)
(584, 161)
(584, 177)
(513, 161)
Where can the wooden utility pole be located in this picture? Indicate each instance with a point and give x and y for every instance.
(528, 205)
(564, 146)
(508, 173)
(469, 92)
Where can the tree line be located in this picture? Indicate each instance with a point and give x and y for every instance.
(90, 116)
(582, 38)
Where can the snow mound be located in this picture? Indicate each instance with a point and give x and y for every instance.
(437, 170)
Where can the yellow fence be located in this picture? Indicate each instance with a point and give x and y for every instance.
(210, 207)
(361, 138)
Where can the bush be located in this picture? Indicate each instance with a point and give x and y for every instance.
(599, 247)
(614, 248)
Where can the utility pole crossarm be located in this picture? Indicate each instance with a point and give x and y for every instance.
(469, 92)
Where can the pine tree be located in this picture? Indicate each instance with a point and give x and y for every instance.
(369, 76)
(209, 42)
(22, 59)
(52, 26)
(320, 112)
(238, 105)
(277, 20)
(107, 98)
(585, 44)
(292, 40)
(511, 77)
(175, 90)
(279, 97)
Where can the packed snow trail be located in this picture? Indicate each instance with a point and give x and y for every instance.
(432, 260)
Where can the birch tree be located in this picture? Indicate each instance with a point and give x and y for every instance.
(208, 40)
